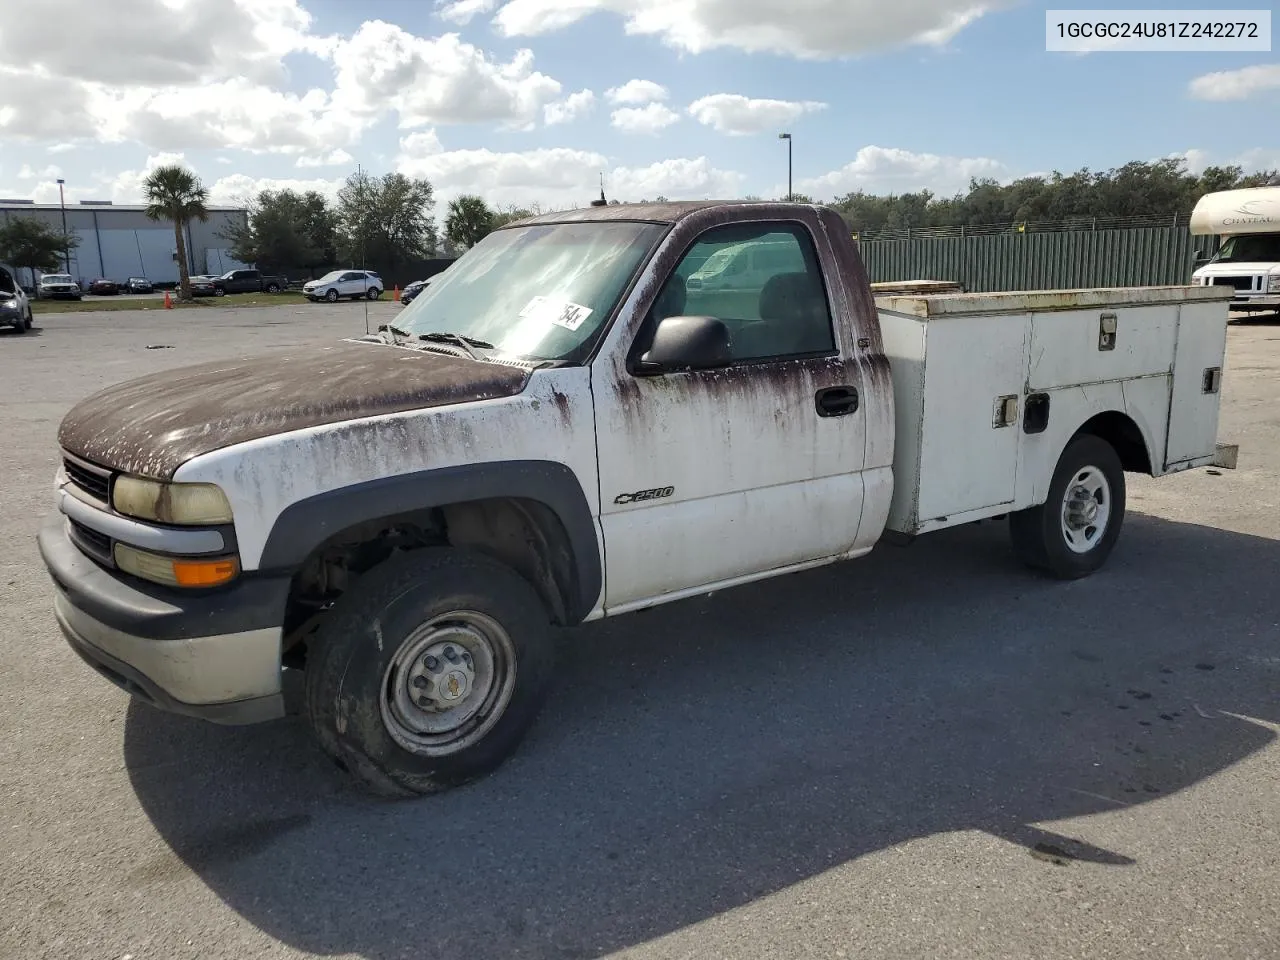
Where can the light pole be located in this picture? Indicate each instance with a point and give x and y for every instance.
(62, 202)
(787, 137)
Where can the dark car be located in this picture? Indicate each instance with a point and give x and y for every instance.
(202, 286)
(138, 285)
(251, 281)
(413, 289)
(104, 288)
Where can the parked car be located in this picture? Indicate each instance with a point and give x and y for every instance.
(249, 281)
(204, 286)
(104, 288)
(15, 308)
(138, 285)
(344, 283)
(543, 443)
(413, 289)
(58, 286)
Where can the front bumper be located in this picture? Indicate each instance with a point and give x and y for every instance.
(1269, 302)
(211, 655)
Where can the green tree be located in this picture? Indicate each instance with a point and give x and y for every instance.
(175, 193)
(27, 242)
(286, 230)
(385, 220)
(513, 213)
(470, 220)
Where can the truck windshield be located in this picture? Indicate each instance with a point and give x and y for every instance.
(1256, 248)
(538, 292)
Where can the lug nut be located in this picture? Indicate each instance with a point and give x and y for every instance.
(421, 682)
(424, 701)
(451, 654)
(431, 663)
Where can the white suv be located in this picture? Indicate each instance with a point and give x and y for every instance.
(344, 283)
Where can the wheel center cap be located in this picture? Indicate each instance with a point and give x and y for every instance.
(453, 686)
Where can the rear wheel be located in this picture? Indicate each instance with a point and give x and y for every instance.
(30, 320)
(219, 292)
(373, 293)
(1073, 532)
(428, 673)
(273, 288)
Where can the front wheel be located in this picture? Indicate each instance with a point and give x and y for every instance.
(219, 292)
(331, 296)
(30, 320)
(1072, 533)
(273, 288)
(428, 672)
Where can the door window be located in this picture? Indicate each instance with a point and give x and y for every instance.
(763, 281)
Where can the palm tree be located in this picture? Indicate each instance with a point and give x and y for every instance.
(175, 193)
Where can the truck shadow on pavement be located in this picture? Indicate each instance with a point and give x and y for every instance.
(700, 756)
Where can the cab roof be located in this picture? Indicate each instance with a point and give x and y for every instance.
(667, 212)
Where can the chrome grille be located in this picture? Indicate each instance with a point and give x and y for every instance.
(1239, 283)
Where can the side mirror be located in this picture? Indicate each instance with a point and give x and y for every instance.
(686, 343)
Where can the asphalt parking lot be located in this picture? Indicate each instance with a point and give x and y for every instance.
(925, 753)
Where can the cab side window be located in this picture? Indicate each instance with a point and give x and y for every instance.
(763, 281)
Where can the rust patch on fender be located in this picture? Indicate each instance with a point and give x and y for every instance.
(152, 425)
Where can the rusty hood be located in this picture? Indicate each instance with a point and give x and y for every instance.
(152, 425)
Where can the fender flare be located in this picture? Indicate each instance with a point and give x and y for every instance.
(305, 525)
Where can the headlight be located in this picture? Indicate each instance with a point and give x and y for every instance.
(175, 571)
(176, 503)
(1273, 283)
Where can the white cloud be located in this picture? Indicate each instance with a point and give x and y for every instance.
(573, 107)
(51, 172)
(559, 177)
(127, 186)
(636, 92)
(157, 42)
(1196, 160)
(677, 179)
(61, 148)
(889, 170)
(461, 11)
(649, 119)
(803, 28)
(438, 80)
(209, 75)
(1236, 84)
(238, 189)
(1259, 158)
(336, 158)
(1251, 160)
(737, 115)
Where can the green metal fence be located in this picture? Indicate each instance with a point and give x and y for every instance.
(1142, 256)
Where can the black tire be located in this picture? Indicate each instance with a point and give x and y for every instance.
(30, 320)
(219, 292)
(1038, 534)
(353, 669)
(373, 293)
(331, 296)
(19, 327)
(273, 288)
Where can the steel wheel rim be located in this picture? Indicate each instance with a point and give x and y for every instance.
(465, 695)
(1086, 509)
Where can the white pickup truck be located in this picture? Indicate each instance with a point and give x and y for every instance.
(560, 429)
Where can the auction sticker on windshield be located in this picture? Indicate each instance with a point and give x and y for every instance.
(563, 313)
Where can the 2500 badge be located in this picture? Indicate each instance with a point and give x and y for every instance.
(657, 493)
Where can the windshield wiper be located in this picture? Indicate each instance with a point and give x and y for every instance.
(466, 343)
(395, 332)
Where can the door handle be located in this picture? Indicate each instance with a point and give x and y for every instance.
(836, 401)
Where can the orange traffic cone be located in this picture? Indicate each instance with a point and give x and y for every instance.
(395, 294)
(168, 301)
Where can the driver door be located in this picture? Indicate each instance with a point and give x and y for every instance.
(709, 477)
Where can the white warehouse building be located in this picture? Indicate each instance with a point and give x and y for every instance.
(117, 241)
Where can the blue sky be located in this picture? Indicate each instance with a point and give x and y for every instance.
(878, 96)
